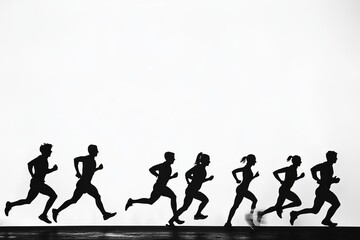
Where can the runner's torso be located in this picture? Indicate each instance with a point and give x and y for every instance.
(290, 177)
(326, 175)
(88, 168)
(247, 176)
(198, 177)
(41, 166)
(164, 174)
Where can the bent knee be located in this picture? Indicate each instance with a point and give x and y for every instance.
(54, 196)
(337, 204)
(315, 210)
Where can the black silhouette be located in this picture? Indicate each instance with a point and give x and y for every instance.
(323, 193)
(284, 191)
(163, 173)
(197, 175)
(38, 168)
(84, 184)
(242, 190)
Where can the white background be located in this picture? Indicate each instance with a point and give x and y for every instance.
(138, 78)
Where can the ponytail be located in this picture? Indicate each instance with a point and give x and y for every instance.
(294, 159)
(243, 159)
(198, 158)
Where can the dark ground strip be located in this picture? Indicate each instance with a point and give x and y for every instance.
(183, 233)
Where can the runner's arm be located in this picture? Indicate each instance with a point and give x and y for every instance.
(276, 174)
(154, 170)
(234, 172)
(54, 168)
(175, 175)
(76, 165)
(99, 167)
(301, 176)
(256, 175)
(209, 178)
(189, 175)
(30, 167)
(314, 171)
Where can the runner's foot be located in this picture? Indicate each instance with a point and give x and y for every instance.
(328, 223)
(249, 220)
(128, 204)
(106, 216)
(178, 221)
(55, 213)
(170, 224)
(259, 216)
(293, 217)
(44, 218)
(227, 225)
(279, 212)
(200, 216)
(7, 208)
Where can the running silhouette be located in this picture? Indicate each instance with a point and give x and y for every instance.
(38, 169)
(84, 184)
(195, 177)
(322, 193)
(284, 191)
(163, 173)
(242, 190)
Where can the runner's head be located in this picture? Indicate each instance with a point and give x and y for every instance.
(45, 149)
(250, 159)
(169, 157)
(93, 150)
(296, 160)
(203, 159)
(331, 156)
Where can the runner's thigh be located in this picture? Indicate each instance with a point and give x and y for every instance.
(46, 190)
(167, 192)
(92, 191)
